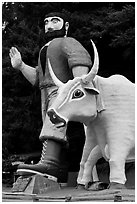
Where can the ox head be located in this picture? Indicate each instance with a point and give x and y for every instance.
(76, 99)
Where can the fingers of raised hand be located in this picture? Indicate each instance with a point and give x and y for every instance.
(13, 51)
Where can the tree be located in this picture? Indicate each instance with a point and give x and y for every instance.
(21, 103)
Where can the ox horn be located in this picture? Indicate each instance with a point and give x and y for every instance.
(90, 76)
(55, 79)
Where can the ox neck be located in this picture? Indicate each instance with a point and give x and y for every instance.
(88, 121)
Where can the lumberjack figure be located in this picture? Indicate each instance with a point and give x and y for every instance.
(69, 59)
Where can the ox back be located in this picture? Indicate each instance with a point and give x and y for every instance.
(117, 94)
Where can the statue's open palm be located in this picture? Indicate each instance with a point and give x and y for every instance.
(16, 59)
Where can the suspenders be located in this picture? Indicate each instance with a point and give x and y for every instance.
(43, 58)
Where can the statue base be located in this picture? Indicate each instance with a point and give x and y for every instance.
(34, 185)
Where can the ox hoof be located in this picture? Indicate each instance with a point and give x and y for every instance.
(96, 186)
(80, 186)
(114, 185)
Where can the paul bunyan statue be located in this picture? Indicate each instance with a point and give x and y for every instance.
(106, 106)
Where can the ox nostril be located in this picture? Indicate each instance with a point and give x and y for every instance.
(52, 116)
(55, 119)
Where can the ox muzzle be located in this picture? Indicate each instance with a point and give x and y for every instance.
(56, 119)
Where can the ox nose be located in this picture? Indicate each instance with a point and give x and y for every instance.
(56, 119)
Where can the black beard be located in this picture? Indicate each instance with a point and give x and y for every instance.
(55, 34)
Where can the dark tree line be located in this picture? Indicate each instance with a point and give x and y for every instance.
(110, 25)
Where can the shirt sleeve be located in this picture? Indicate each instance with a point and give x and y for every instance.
(76, 54)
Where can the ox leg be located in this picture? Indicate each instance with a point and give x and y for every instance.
(90, 173)
(94, 174)
(90, 143)
(117, 160)
(117, 173)
(90, 177)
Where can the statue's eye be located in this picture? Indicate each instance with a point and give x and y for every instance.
(77, 94)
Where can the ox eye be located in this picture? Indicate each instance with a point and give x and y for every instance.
(77, 94)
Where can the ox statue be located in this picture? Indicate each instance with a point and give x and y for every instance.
(106, 108)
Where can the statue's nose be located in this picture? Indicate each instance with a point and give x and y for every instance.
(50, 29)
(56, 119)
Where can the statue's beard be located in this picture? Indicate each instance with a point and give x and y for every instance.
(55, 34)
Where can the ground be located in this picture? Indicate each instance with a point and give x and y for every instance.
(72, 194)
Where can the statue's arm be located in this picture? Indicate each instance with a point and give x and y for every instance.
(79, 71)
(79, 59)
(29, 72)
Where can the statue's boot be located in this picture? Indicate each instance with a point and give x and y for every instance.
(50, 165)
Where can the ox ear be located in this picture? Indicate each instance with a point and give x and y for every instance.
(91, 89)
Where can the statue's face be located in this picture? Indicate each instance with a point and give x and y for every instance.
(53, 23)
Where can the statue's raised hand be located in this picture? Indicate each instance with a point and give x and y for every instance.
(15, 57)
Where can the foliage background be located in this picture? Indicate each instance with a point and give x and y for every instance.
(110, 25)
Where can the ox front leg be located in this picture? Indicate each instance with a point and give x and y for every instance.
(90, 173)
(90, 143)
(90, 177)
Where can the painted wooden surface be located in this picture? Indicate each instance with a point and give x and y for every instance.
(69, 194)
